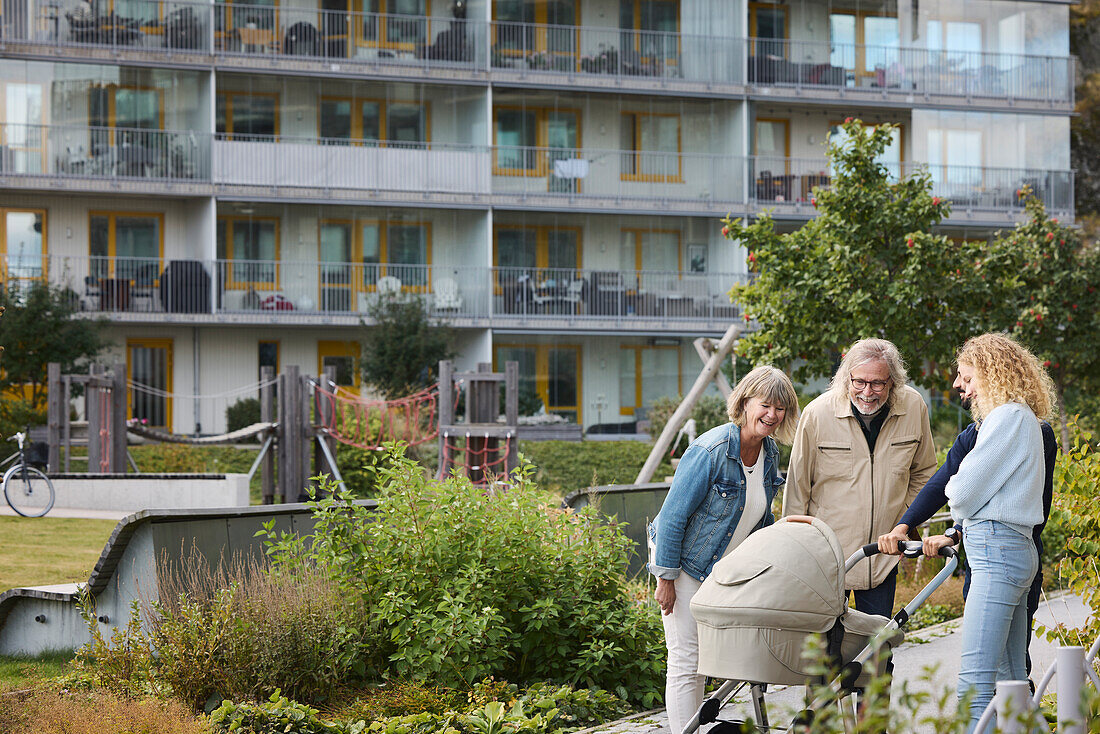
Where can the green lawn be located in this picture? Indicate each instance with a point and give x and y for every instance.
(49, 550)
(18, 673)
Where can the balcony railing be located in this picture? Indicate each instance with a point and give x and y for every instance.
(296, 290)
(911, 70)
(617, 55)
(785, 181)
(73, 151)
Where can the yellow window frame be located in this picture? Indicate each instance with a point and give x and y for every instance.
(4, 211)
(639, 232)
(167, 346)
(542, 246)
(542, 44)
(861, 45)
(383, 27)
(356, 105)
(383, 252)
(639, 373)
(754, 28)
(542, 373)
(637, 152)
(112, 235)
(231, 283)
(542, 166)
(230, 95)
(112, 103)
(637, 40)
(335, 348)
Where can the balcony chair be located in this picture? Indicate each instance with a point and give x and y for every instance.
(574, 293)
(388, 286)
(447, 297)
(89, 301)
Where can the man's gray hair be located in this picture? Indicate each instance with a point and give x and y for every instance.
(868, 350)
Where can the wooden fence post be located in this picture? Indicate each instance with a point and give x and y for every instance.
(446, 413)
(118, 418)
(55, 407)
(283, 437)
(511, 412)
(95, 419)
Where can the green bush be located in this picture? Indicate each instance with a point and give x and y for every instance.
(16, 415)
(462, 583)
(242, 414)
(564, 466)
(709, 411)
(277, 715)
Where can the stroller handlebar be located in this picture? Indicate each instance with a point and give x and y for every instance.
(909, 549)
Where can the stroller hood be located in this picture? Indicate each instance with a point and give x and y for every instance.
(787, 576)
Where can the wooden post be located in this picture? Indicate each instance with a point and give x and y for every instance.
(482, 403)
(684, 410)
(325, 414)
(282, 439)
(66, 424)
(511, 412)
(95, 419)
(55, 402)
(704, 347)
(118, 418)
(446, 413)
(291, 448)
(267, 414)
(305, 434)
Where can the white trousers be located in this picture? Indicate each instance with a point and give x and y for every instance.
(683, 684)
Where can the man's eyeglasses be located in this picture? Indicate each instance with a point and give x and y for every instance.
(875, 385)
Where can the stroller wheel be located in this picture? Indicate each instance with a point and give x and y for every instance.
(732, 727)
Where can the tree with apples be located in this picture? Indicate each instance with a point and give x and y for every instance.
(1057, 305)
(868, 265)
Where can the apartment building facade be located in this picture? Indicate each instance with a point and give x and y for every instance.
(233, 184)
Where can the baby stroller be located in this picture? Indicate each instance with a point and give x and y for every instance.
(783, 584)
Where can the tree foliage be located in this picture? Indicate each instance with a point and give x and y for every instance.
(402, 349)
(40, 326)
(1084, 37)
(867, 266)
(1057, 307)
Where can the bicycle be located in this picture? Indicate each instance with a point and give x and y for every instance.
(29, 492)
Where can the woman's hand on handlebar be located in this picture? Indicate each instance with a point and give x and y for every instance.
(890, 542)
(666, 595)
(933, 544)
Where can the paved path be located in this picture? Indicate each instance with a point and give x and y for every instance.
(939, 646)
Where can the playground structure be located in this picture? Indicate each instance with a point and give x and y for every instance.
(300, 415)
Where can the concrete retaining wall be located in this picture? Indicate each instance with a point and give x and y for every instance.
(134, 492)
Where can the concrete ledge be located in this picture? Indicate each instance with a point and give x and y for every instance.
(134, 492)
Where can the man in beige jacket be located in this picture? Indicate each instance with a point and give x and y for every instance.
(861, 453)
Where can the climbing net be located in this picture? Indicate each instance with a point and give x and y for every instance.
(482, 458)
(369, 424)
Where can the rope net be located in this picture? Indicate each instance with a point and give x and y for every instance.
(368, 424)
(481, 458)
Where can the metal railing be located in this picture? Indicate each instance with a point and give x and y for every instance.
(103, 152)
(913, 70)
(779, 180)
(309, 289)
(236, 29)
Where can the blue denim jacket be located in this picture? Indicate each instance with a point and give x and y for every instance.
(705, 502)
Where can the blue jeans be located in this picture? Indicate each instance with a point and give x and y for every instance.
(995, 630)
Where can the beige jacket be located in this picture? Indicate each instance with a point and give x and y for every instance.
(833, 476)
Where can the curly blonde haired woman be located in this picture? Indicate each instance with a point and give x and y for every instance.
(997, 497)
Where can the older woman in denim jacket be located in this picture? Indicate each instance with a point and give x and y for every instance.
(722, 491)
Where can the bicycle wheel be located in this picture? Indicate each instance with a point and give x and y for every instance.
(28, 491)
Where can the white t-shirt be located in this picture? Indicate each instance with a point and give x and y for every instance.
(755, 503)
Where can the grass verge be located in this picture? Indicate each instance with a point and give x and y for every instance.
(16, 673)
(49, 550)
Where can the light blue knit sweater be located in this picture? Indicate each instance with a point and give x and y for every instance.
(1002, 477)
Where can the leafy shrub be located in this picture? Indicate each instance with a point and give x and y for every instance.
(709, 411)
(170, 458)
(17, 414)
(277, 715)
(242, 414)
(461, 583)
(563, 466)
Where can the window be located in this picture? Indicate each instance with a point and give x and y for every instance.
(651, 28)
(645, 374)
(395, 124)
(22, 134)
(241, 115)
(337, 264)
(528, 140)
(344, 356)
(524, 27)
(541, 253)
(261, 14)
(117, 114)
(22, 245)
(955, 158)
(863, 43)
(393, 24)
(149, 372)
(249, 249)
(354, 255)
(127, 246)
(768, 30)
(268, 356)
(652, 147)
(552, 373)
(772, 146)
(955, 44)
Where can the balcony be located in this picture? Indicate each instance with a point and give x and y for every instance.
(439, 48)
(786, 185)
(85, 158)
(819, 69)
(160, 290)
